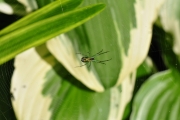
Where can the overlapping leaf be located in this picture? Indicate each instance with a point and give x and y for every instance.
(24, 37)
(158, 99)
(54, 8)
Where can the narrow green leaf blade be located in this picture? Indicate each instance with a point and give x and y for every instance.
(39, 32)
(52, 9)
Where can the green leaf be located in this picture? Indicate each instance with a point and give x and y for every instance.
(158, 98)
(52, 9)
(72, 100)
(51, 92)
(43, 30)
(106, 32)
(123, 28)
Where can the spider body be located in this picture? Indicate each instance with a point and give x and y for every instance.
(88, 59)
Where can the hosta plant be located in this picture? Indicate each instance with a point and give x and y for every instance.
(47, 84)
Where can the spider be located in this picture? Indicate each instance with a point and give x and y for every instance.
(88, 59)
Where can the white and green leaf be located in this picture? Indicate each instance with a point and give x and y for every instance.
(170, 20)
(46, 90)
(124, 28)
(12, 7)
(158, 98)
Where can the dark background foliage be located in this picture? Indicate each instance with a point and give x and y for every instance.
(6, 71)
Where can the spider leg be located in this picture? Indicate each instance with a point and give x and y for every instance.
(105, 60)
(102, 61)
(104, 52)
(81, 65)
(99, 53)
(99, 62)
